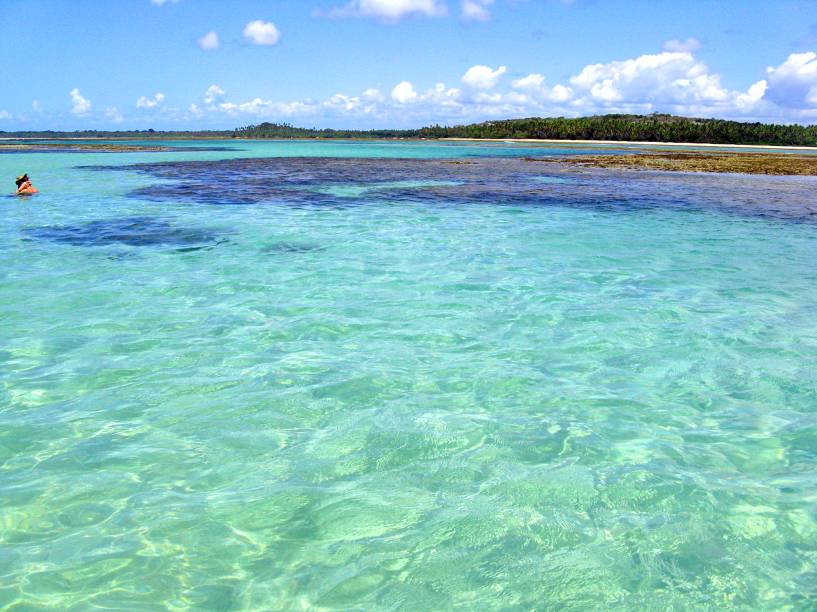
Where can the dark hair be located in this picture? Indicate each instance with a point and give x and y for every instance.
(21, 180)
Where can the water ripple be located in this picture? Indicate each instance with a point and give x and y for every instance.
(408, 385)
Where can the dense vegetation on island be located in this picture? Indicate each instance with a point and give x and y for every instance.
(653, 128)
(285, 130)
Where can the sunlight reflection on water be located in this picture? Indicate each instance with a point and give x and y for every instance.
(396, 383)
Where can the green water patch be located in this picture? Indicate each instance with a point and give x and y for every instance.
(553, 180)
(281, 247)
(357, 190)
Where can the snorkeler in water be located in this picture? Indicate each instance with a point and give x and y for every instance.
(24, 186)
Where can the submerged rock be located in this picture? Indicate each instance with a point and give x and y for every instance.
(131, 231)
(560, 181)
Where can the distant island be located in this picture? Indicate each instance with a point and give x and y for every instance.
(616, 127)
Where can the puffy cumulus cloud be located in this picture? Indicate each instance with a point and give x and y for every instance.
(373, 95)
(483, 77)
(387, 10)
(793, 84)
(368, 104)
(403, 93)
(443, 96)
(112, 114)
(343, 102)
(532, 81)
(209, 42)
(79, 104)
(670, 81)
(689, 45)
(560, 93)
(439, 95)
(262, 33)
(144, 102)
(661, 78)
(213, 93)
(266, 108)
(476, 10)
(534, 85)
(752, 96)
(403, 104)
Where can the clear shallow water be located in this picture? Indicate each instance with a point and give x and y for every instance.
(404, 384)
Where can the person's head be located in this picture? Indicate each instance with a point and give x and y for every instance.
(21, 179)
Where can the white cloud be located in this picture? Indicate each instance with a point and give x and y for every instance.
(483, 77)
(403, 93)
(560, 93)
(36, 106)
(534, 86)
(144, 102)
(388, 10)
(343, 102)
(210, 41)
(689, 45)
(672, 82)
(114, 115)
(267, 108)
(79, 105)
(442, 96)
(476, 10)
(662, 78)
(793, 84)
(213, 93)
(753, 95)
(4, 114)
(373, 95)
(161, 2)
(261, 32)
(532, 81)
(403, 104)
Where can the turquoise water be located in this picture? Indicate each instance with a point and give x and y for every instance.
(310, 381)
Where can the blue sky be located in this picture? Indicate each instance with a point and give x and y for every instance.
(188, 64)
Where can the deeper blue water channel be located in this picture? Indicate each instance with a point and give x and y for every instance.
(404, 376)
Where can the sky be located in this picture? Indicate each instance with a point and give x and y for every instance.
(221, 64)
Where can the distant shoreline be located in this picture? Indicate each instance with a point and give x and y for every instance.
(545, 141)
(636, 143)
(113, 138)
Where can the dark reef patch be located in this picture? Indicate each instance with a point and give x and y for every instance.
(344, 182)
(130, 231)
(290, 247)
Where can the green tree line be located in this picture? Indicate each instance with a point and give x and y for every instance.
(653, 128)
(285, 130)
